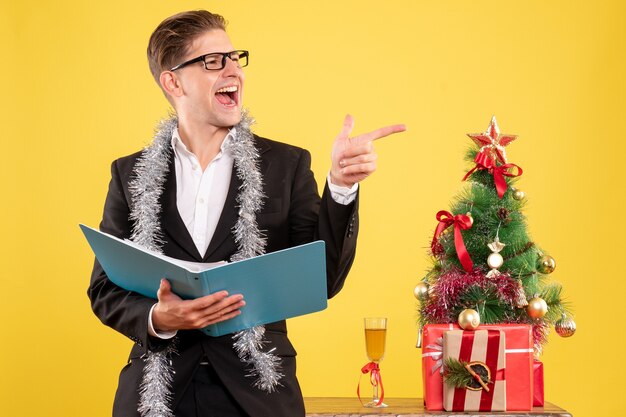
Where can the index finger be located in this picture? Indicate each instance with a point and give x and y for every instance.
(380, 133)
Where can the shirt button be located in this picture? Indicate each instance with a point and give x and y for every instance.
(201, 201)
(193, 167)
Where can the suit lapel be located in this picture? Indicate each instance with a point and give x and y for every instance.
(171, 221)
(228, 218)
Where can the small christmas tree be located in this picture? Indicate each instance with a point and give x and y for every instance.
(484, 260)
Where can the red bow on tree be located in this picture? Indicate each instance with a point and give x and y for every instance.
(460, 221)
(483, 161)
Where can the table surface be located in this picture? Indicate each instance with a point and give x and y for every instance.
(407, 407)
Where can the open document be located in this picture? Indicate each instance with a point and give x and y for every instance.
(275, 286)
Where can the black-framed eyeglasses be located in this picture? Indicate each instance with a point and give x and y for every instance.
(217, 60)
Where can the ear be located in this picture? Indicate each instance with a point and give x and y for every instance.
(171, 84)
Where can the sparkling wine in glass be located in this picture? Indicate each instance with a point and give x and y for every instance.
(375, 335)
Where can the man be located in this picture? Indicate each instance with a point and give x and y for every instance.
(207, 190)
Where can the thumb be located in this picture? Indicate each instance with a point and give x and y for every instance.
(348, 125)
(165, 289)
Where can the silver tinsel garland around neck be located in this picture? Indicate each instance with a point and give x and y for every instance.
(146, 188)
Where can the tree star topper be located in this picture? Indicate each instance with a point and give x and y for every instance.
(492, 143)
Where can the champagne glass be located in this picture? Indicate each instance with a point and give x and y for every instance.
(375, 335)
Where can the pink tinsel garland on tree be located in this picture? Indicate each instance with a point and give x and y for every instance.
(447, 293)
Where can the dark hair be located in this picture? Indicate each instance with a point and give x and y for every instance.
(170, 41)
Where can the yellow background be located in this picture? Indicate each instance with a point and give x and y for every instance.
(76, 93)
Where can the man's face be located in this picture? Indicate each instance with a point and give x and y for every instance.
(211, 96)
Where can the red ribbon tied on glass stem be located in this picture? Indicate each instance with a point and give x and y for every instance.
(460, 221)
(373, 369)
(483, 161)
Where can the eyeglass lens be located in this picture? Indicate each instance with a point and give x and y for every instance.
(218, 61)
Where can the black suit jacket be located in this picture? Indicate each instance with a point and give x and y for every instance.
(292, 214)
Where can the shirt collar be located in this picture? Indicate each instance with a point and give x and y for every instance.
(181, 149)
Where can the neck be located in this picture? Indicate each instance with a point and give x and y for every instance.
(202, 139)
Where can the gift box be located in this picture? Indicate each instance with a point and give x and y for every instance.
(482, 351)
(519, 361)
(538, 384)
(432, 364)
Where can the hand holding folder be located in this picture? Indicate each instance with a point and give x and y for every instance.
(276, 286)
(174, 313)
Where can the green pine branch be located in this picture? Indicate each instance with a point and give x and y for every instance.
(551, 293)
(490, 307)
(457, 375)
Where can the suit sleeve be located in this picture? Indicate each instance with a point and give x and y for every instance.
(124, 311)
(336, 224)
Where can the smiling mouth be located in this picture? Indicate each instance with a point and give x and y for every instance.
(228, 96)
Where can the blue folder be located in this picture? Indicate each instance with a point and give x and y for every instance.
(275, 286)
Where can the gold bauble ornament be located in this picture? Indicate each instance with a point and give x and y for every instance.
(518, 194)
(421, 291)
(565, 327)
(537, 308)
(546, 264)
(495, 260)
(469, 319)
(471, 219)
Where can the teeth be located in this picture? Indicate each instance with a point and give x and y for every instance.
(230, 89)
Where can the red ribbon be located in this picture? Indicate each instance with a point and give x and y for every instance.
(375, 380)
(483, 161)
(491, 360)
(460, 221)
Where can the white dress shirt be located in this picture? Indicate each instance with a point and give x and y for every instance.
(200, 196)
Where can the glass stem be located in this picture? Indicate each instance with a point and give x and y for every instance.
(374, 387)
